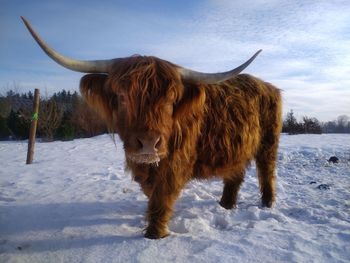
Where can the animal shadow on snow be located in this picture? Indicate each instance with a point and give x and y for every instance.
(71, 225)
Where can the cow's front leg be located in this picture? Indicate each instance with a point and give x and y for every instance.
(160, 208)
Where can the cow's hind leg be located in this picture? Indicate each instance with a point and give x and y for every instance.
(266, 164)
(231, 188)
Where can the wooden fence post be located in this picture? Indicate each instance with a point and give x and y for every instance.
(33, 126)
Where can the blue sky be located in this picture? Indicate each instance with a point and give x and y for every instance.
(306, 44)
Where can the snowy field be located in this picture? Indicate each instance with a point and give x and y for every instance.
(75, 203)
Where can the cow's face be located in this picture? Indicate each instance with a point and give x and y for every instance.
(144, 117)
(139, 99)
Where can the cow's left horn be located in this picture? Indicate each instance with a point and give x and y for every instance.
(91, 66)
(211, 78)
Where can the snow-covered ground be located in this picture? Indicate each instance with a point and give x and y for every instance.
(75, 203)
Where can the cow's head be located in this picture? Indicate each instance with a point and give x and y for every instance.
(144, 99)
(138, 100)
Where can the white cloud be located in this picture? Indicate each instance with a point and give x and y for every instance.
(307, 52)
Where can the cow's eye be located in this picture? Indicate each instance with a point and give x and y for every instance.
(122, 100)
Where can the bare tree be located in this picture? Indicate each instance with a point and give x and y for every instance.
(50, 117)
(342, 123)
(87, 120)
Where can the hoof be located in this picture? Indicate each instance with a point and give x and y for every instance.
(227, 205)
(267, 204)
(152, 233)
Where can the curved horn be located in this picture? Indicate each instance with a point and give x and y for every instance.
(92, 66)
(211, 78)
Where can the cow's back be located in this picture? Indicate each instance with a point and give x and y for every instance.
(238, 116)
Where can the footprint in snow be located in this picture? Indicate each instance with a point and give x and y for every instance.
(113, 177)
(178, 226)
(220, 222)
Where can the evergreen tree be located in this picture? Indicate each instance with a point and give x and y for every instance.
(18, 125)
(311, 125)
(290, 125)
(4, 130)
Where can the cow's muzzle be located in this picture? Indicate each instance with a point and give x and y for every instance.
(146, 148)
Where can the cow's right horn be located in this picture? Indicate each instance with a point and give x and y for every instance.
(87, 66)
(211, 78)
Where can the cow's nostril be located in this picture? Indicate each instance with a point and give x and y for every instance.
(148, 145)
(139, 143)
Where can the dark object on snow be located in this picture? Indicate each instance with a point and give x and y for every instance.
(312, 182)
(333, 159)
(324, 187)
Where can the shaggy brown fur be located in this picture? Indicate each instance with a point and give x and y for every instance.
(199, 130)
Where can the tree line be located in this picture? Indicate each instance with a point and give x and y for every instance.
(65, 116)
(313, 126)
